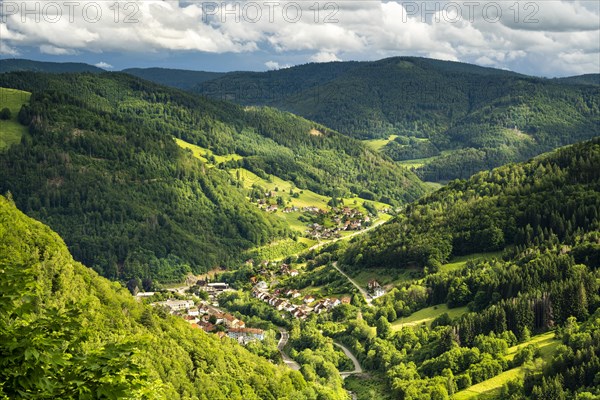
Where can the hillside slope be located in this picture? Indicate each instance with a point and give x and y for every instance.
(67, 333)
(101, 167)
(177, 78)
(552, 197)
(17, 64)
(470, 118)
(520, 321)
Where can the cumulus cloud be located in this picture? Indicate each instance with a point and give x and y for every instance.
(324, 56)
(272, 65)
(103, 65)
(554, 37)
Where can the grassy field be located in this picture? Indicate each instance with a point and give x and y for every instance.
(491, 388)
(427, 315)
(459, 262)
(378, 144)
(204, 154)
(11, 130)
(278, 250)
(546, 342)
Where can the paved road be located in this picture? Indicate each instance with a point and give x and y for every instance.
(357, 367)
(366, 295)
(282, 342)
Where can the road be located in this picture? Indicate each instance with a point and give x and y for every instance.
(366, 295)
(357, 367)
(280, 346)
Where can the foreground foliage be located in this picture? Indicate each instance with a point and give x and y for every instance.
(67, 333)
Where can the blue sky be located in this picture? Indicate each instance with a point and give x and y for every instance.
(543, 38)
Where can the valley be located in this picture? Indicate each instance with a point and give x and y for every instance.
(159, 244)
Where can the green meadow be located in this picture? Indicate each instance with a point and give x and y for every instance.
(11, 130)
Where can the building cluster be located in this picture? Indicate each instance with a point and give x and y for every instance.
(212, 320)
(289, 301)
(343, 219)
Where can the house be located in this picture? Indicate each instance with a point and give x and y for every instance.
(176, 305)
(271, 208)
(308, 299)
(295, 294)
(194, 312)
(299, 314)
(144, 294)
(191, 319)
(335, 302)
(203, 310)
(218, 286)
(290, 308)
(206, 326)
(346, 300)
(378, 292)
(319, 308)
(262, 285)
(294, 272)
(232, 322)
(280, 304)
(243, 335)
(373, 284)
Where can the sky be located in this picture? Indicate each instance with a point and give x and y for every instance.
(542, 38)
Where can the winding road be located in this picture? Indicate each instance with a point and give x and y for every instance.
(357, 367)
(366, 295)
(282, 342)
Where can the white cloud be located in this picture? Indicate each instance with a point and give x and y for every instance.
(324, 56)
(272, 65)
(56, 51)
(364, 30)
(103, 65)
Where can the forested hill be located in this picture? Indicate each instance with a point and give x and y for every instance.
(16, 64)
(101, 167)
(66, 333)
(469, 118)
(552, 198)
(587, 79)
(177, 78)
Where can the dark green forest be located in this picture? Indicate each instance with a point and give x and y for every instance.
(489, 117)
(67, 333)
(544, 213)
(100, 166)
(552, 197)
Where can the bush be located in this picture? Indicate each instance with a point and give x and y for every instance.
(525, 354)
(443, 320)
(5, 114)
(463, 381)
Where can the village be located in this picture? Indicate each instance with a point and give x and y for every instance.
(206, 315)
(321, 224)
(294, 303)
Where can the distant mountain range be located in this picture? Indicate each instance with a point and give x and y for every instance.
(453, 118)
